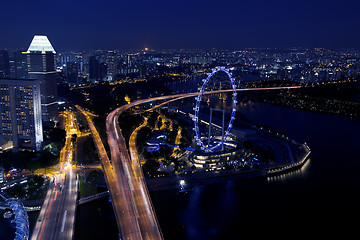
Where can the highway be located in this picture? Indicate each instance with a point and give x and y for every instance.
(57, 216)
(132, 145)
(119, 191)
(134, 212)
(140, 208)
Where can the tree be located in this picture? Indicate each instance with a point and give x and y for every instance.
(57, 135)
(150, 167)
(159, 124)
(167, 124)
(73, 138)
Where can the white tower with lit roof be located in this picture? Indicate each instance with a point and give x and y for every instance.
(42, 66)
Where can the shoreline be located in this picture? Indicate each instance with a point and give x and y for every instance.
(195, 179)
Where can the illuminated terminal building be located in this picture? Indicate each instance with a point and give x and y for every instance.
(42, 65)
(219, 159)
(20, 111)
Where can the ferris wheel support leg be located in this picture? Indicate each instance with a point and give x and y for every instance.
(222, 135)
(210, 124)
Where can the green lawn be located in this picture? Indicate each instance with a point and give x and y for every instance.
(87, 189)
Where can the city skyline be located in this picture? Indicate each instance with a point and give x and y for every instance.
(164, 25)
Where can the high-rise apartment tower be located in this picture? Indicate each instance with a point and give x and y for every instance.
(20, 113)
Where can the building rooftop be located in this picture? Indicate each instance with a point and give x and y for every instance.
(18, 79)
(40, 44)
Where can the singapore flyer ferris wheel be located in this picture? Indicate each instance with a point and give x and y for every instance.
(212, 147)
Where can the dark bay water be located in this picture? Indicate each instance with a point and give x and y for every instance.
(6, 230)
(322, 199)
(96, 220)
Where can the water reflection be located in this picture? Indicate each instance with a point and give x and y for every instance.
(192, 214)
(203, 204)
(295, 173)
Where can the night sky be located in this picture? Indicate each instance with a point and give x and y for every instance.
(158, 24)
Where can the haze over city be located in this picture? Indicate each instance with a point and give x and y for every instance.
(160, 24)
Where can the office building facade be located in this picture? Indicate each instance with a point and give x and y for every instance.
(72, 73)
(4, 64)
(42, 66)
(97, 69)
(20, 111)
(111, 65)
(21, 65)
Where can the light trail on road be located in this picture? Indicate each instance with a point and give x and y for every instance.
(57, 216)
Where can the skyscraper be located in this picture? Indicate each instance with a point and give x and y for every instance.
(42, 66)
(21, 65)
(4, 64)
(97, 70)
(20, 111)
(72, 72)
(111, 65)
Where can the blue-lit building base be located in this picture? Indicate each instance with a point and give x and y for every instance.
(219, 159)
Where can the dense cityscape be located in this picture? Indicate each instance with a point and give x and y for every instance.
(197, 137)
(294, 64)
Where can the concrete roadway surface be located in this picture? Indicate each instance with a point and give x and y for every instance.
(57, 216)
(121, 201)
(135, 213)
(141, 213)
(57, 221)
